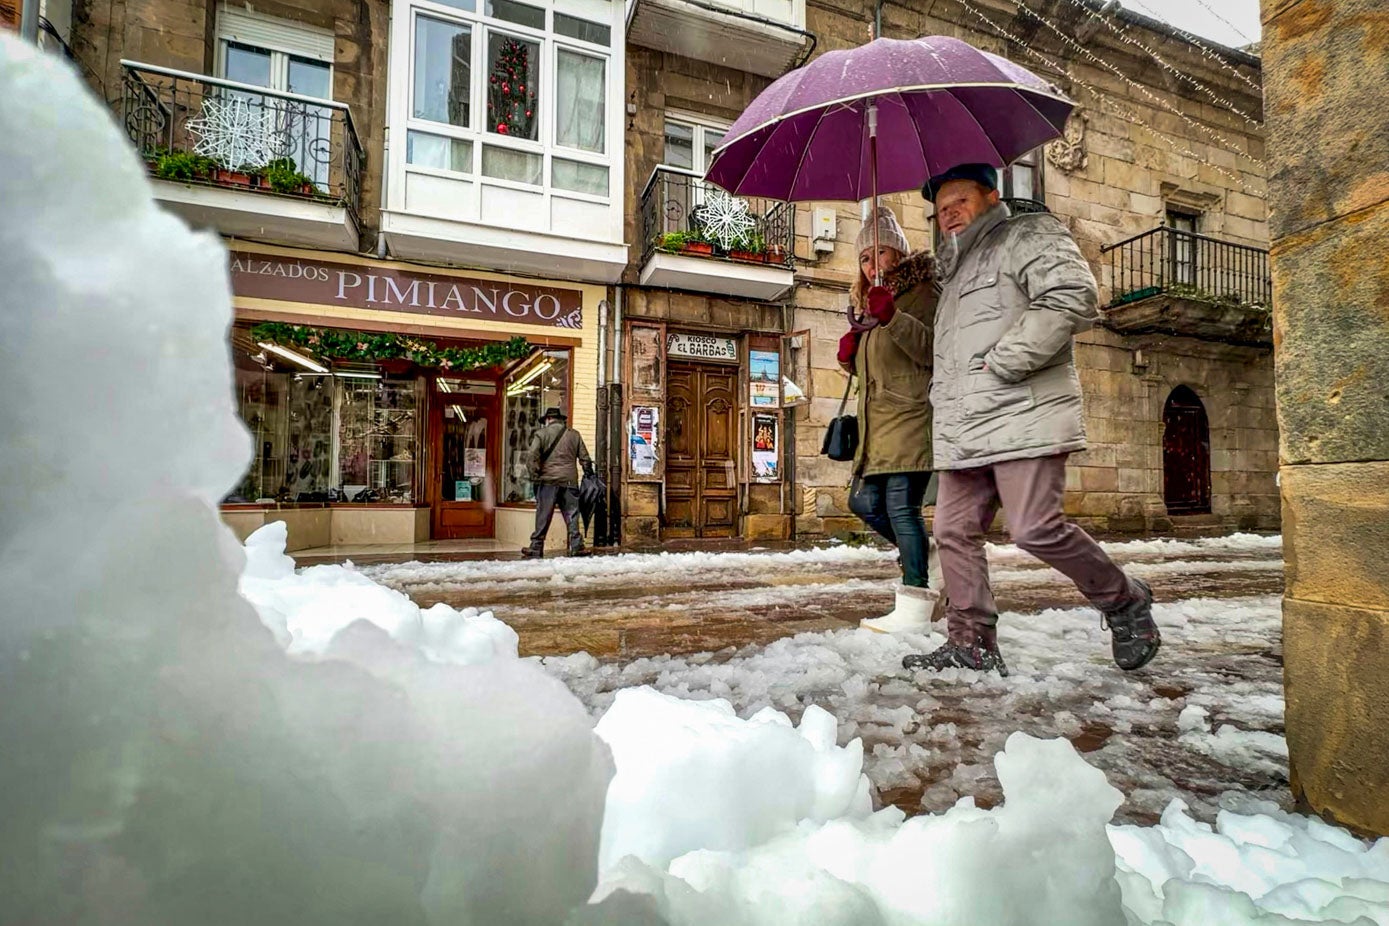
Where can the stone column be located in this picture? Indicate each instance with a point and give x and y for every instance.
(1325, 65)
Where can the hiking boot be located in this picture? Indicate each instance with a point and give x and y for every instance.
(532, 553)
(578, 551)
(976, 656)
(1134, 636)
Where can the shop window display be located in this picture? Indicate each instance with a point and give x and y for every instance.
(539, 382)
(321, 437)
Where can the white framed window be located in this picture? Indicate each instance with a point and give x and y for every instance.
(263, 51)
(273, 53)
(1023, 178)
(513, 93)
(690, 141)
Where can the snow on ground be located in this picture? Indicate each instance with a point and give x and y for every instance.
(740, 799)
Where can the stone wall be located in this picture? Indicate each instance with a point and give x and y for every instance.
(1125, 160)
(1331, 316)
(182, 34)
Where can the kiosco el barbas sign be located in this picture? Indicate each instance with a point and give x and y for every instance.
(359, 286)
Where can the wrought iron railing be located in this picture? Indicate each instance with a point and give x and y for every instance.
(1175, 262)
(681, 213)
(206, 130)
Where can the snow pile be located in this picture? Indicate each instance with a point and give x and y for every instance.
(1250, 869)
(1045, 856)
(164, 760)
(692, 775)
(306, 610)
(1040, 858)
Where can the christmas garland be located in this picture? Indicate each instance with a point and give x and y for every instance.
(364, 346)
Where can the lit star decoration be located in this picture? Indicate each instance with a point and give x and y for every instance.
(726, 218)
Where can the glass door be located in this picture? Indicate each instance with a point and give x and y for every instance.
(466, 458)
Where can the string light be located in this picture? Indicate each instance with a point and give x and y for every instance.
(1103, 97)
(1207, 52)
(1168, 66)
(1221, 139)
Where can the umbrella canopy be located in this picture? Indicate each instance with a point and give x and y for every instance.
(939, 102)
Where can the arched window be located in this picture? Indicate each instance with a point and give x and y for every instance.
(1186, 454)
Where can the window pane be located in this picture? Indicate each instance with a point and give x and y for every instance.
(376, 439)
(1023, 187)
(579, 96)
(310, 78)
(443, 71)
(528, 394)
(248, 65)
(679, 145)
(578, 177)
(505, 164)
(520, 13)
(468, 5)
(437, 151)
(583, 30)
(513, 67)
(712, 139)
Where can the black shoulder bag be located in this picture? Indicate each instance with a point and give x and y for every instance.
(841, 436)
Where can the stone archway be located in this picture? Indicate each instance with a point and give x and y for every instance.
(1186, 454)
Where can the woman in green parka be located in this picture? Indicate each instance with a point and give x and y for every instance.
(892, 361)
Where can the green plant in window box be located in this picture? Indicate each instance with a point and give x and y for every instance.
(182, 165)
(284, 176)
(752, 246)
(690, 242)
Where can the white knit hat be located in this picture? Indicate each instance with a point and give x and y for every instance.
(890, 234)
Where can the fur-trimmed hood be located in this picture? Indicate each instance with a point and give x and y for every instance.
(917, 268)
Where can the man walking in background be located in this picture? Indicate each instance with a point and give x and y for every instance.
(1007, 413)
(555, 450)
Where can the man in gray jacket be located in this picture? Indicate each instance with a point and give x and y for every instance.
(1008, 411)
(554, 451)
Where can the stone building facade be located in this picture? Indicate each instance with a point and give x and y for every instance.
(1179, 379)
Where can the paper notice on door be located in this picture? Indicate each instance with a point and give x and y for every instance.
(475, 462)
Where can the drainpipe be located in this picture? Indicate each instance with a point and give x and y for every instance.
(878, 19)
(617, 334)
(602, 343)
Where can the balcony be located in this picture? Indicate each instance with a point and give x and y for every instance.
(1181, 283)
(764, 37)
(244, 160)
(699, 238)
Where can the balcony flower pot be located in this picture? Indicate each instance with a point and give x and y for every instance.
(698, 247)
(231, 177)
(755, 257)
(776, 254)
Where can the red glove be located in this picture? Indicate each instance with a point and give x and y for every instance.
(881, 305)
(848, 347)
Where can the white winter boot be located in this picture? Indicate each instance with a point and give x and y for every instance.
(912, 614)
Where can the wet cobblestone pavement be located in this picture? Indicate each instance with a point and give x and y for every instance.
(772, 629)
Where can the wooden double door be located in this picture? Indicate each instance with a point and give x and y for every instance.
(701, 493)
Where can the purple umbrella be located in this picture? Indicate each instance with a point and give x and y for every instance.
(883, 118)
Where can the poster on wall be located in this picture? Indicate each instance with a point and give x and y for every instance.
(645, 352)
(765, 454)
(764, 378)
(641, 440)
(475, 462)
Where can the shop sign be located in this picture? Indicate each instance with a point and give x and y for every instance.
(361, 286)
(701, 347)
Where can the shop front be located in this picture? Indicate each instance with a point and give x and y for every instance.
(707, 418)
(391, 404)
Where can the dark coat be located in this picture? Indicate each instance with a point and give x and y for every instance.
(559, 466)
(893, 364)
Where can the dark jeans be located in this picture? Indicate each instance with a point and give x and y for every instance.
(547, 498)
(891, 504)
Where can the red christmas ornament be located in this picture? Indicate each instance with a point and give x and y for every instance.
(528, 112)
(505, 88)
(501, 128)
